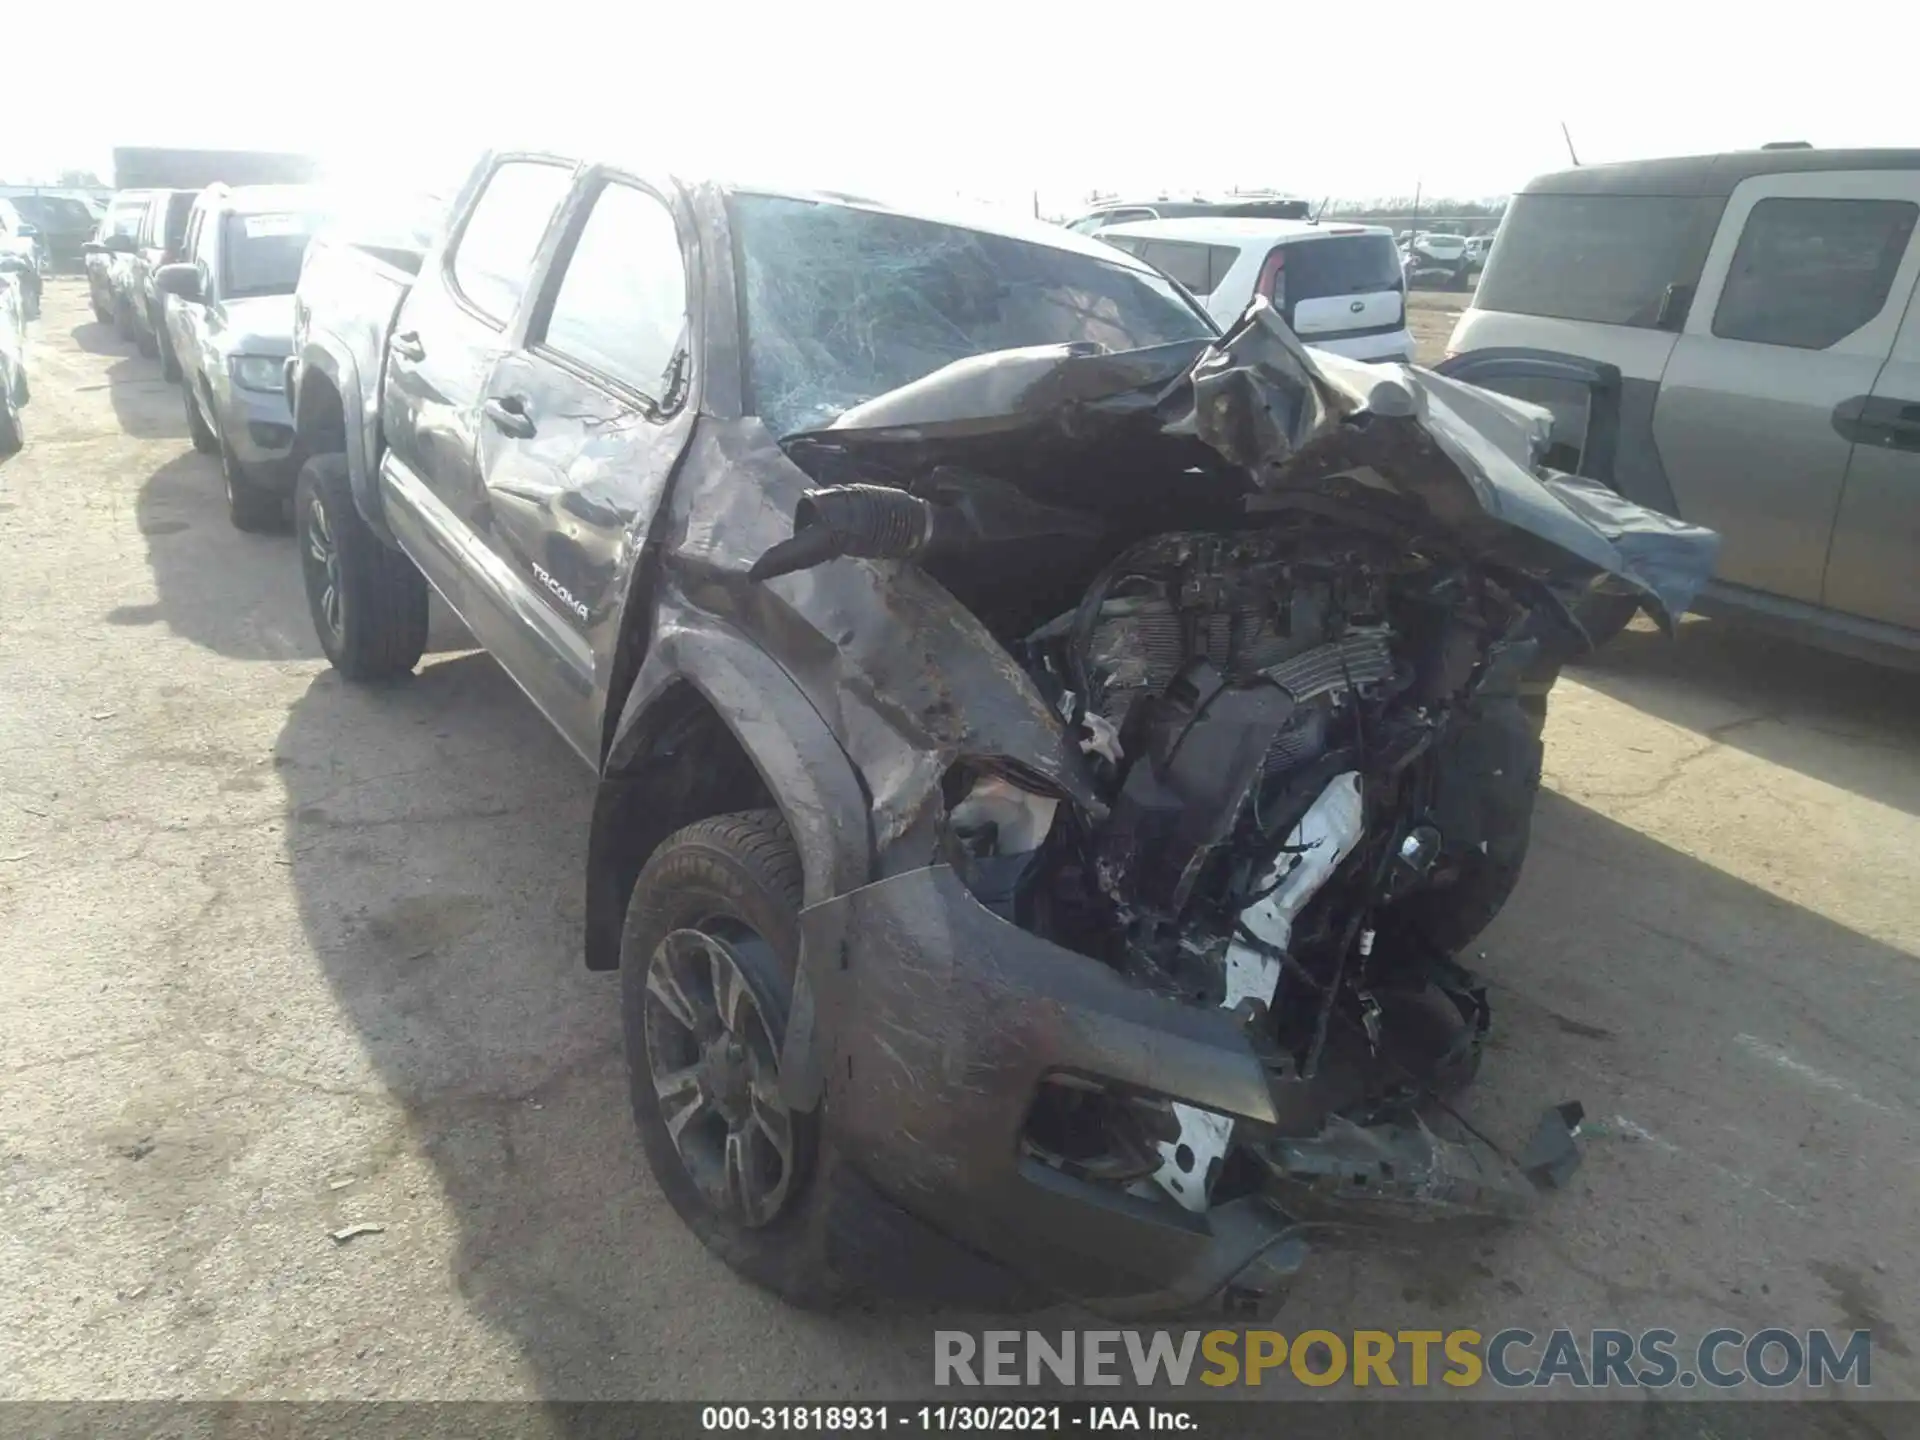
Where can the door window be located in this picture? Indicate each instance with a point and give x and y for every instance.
(179, 207)
(621, 308)
(494, 257)
(1603, 258)
(1198, 267)
(193, 249)
(1810, 272)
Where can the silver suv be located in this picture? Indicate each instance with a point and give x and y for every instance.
(1755, 312)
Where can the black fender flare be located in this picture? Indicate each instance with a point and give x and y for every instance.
(319, 355)
(800, 764)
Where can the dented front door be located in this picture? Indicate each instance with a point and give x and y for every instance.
(580, 427)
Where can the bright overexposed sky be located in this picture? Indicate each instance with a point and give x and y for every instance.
(1361, 100)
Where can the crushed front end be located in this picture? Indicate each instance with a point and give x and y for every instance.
(1142, 1003)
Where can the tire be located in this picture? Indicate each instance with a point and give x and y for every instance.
(1605, 616)
(1483, 803)
(198, 430)
(730, 884)
(123, 320)
(144, 342)
(373, 624)
(250, 506)
(169, 362)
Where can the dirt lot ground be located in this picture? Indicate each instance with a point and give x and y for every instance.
(1430, 316)
(284, 957)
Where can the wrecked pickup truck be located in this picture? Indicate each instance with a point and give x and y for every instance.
(1050, 753)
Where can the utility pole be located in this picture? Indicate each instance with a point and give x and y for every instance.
(1567, 135)
(1416, 205)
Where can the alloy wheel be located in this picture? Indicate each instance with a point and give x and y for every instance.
(714, 1062)
(320, 557)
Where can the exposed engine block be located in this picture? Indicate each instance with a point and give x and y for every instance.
(1218, 667)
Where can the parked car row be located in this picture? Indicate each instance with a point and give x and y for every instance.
(1338, 287)
(1434, 258)
(204, 282)
(106, 262)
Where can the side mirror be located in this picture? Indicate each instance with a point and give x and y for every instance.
(180, 280)
(119, 244)
(27, 232)
(16, 264)
(93, 247)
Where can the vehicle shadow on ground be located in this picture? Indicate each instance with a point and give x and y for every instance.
(1838, 720)
(146, 406)
(436, 831)
(436, 834)
(96, 337)
(236, 593)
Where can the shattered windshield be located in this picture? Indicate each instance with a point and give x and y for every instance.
(842, 304)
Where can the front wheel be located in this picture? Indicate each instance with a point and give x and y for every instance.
(250, 506)
(198, 430)
(707, 963)
(1605, 616)
(1483, 794)
(368, 600)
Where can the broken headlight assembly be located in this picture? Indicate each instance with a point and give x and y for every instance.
(1091, 1131)
(998, 819)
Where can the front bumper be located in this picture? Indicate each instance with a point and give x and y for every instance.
(257, 427)
(927, 1024)
(933, 1023)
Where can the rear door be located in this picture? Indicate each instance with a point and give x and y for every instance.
(581, 425)
(1343, 283)
(1873, 569)
(1796, 312)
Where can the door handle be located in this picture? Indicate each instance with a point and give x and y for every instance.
(509, 415)
(407, 345)
(1882, 420)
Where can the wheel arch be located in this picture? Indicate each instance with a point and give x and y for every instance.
(328, 415)
(713, 725)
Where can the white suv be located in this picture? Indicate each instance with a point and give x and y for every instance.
(1340, 287)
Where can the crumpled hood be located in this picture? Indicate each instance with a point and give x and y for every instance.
(1288, 421)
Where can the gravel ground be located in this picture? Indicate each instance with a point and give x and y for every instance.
(1431, 315)
(285, 957)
